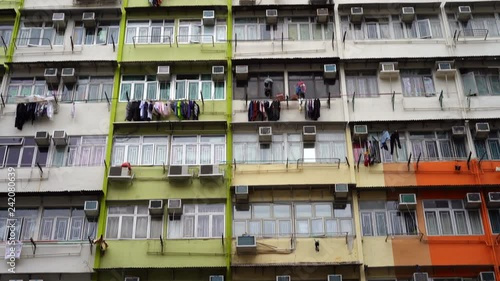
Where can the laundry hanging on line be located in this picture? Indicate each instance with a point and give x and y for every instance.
(146, 110)
(264, 110)
(312, 109)
(32, 111)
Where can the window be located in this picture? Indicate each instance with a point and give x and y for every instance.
(391, 27)
(34, 33)
(140, 150)
(380, 218)
(482, 82)
(249, 29)
(185, 87)
(24, 154)
(104, 33)
(193, 31)
(364, 84)
(195, 150)
(247, 148)
(132, 222)
(417, 83)
(490, 147)
(25, 87)
(449, 217)
(494, 215)
(437, 146)
(5, 34)
(26, 220)
(316, 86)
(150, 32)
(89, 89)
(81, 151)
(198, 221)
(311, 219)
(480, 25)
(306, 29)
(65, 224)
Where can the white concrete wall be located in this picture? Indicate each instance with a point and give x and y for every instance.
(68, 4)
(289, 49)
(365, 49)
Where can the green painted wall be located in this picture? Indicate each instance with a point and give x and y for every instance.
(177, 253)
(164, 274)
(182, 52)
(178, 3)
(10, 4)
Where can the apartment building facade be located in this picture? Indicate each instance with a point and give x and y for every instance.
(253, 140)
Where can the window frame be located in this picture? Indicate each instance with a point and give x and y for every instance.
(69, 93)
(141, 144)
(151, 25)
(73, 152)
(27, 143)
(487, 75)
(356, 77)
(437, 211)
(135, 216)
(493, 138)
(195, 216)
(80, 33)
(389, 223)
(55, 39)
(417, 74)
(198, 145)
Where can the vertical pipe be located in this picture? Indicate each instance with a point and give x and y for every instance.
(229, 138)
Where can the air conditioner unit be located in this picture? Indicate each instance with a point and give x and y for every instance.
(241, 194)
(473, 200)
(118, 173)
(218, 72)
(265, 134)
(322, 15)
(246, 244)
(458, 131)
(174, 206)
(210, 172)
(132, 279)
(356, 14)
(494, 199)
(360, 131)
(179, 173)
(208, 17)
(68, 75)
(50, 75)
(464, 13)
(329, 71)
(334, 277)
(163, 73)
(216, 278)
(486, 276)
(156, 207)
(247, 2)
(445, 69)
(309, 133)
(283, 278)
(42, 138)
(241, 72)
(59, 20)
(407, 201)
(91, 209)
(59, 138)
(420, 276)
(341, 191)
(88, 19)
(271, 16)
(482, 130)
(389, 70)
(407, 14)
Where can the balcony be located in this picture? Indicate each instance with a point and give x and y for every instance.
(71, 4)
(177, 3)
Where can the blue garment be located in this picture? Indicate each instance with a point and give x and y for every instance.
(385, 137)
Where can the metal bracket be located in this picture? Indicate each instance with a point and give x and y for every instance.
(34, 245)
(468, 160)
(392, 99)
(441, 99)
(409, 161)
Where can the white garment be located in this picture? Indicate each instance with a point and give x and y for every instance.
(73, 111)
(50, 110)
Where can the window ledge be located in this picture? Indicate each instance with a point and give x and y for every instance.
(400, 41)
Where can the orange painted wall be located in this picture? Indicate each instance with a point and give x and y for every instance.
(487, 173)
(397, 174)
(443, 173)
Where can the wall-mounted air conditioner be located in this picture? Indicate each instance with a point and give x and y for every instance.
(445, 69)
(309, 133)
(210, 172)
(119, 173)
(389, 70)
(216, 278)
(356, 14)
(68, 75)
(241, 72)
(163, 73)
(246, 244)
(486, 276)
(341, 191)
(91, 209)
(271, 16)
(329, 71)
(60, 138)
(334, 277)
(247, 2)
(494, 199)
(59, 20)
(42, 139)
(174, 207)
(241, 193)
(283, 278)
(458, 131)
(420, 276)
(360, 131)
(88, 19)
(407, 14)
(407, 201)
(482, 130)
(50, 75)
(464, 13)
(218, 72)
(265, 134)
(473, 200)
(179, 173)
(322, 15)
(156, 207)
(208, 17)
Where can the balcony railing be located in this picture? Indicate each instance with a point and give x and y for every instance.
(194, 39)
(4, 45)
(282, 39)
(471, 33)
(151, 40)
(25, 42)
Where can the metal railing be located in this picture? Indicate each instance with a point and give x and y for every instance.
(150, 40)
(27, 42)
(194, 39)
(281, 39)
(287, 162)
(4, 45)
(470, 32)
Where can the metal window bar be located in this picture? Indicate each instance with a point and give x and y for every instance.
(198, 39)
(32, 45)
(479, 32)
(302, 161)
(113, 41)
(72, 44)
(4, 45)
(137, 40)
